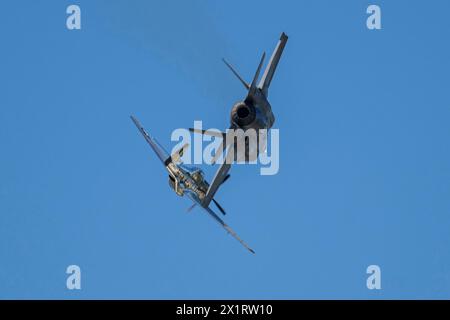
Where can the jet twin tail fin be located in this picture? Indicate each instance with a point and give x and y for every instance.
(272, 66)
(266, 79)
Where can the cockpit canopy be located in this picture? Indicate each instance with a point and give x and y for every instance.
(197, 175)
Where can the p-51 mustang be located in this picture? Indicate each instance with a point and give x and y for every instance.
(187, 180)
(254, 112)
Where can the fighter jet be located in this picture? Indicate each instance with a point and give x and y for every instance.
(254, 112)
(187, 180)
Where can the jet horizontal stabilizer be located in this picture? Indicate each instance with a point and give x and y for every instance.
(213, 133)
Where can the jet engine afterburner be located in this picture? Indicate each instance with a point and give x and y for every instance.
(243, 113)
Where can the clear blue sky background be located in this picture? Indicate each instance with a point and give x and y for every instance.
(364, 119)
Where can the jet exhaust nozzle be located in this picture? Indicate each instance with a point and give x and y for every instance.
(243, 114)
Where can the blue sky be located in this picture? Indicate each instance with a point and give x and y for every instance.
(364, 150)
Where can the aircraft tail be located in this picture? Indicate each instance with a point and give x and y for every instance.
(246, 85)
(253, 86)
(271, 67)
(264, 83)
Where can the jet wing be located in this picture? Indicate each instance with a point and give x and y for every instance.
(229, 230)
(222, 223)
(222, 172)
(160, 152)
(216, 134)
(216, 182)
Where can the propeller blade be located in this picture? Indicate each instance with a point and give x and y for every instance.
(219, 207)
(191, 207)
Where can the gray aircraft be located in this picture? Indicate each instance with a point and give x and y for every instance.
(187, 180)
(254, 112)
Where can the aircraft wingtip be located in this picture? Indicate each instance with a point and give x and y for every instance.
(134, 119)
